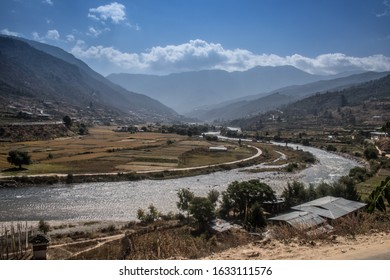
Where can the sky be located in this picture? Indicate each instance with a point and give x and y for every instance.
(161, 37)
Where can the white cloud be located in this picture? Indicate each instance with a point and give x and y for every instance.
(37, 37)
(115, 12)
(200, 55)
(50, 35)
(49, 2)
(10, 33)
(53, 35)
(386, 11)
(70, 38)
(95, 32)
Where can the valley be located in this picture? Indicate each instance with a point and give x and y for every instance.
(96, 154)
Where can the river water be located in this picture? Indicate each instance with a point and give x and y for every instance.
(121, 200)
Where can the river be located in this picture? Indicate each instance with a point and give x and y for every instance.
(121, 200)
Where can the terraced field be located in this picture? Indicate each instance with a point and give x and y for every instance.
(104, 150)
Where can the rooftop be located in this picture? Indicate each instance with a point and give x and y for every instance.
(300, 219)
(330, 207)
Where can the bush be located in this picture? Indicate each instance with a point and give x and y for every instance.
(43, 226)
(358, 173)
(291, 167)
(308, 157)
(371, 152)
(331, 148)
(152, 216)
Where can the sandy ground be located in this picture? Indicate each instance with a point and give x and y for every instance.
(369, 246)
(375, 245)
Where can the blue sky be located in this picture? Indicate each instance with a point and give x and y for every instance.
(161, 37)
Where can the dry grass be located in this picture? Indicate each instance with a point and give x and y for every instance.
(104, 150)
(352, 225)
(176, 243)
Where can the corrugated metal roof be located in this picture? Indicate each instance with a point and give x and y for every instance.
(300, 219)
(330, 207)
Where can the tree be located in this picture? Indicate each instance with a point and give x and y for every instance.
(386, 127)
(256, 216)
(371, 152)
(379, 195)
(241, 196)
(295, 193)
(343, 101)
(203, 210)
(18, 158)
(67, 121)
(213, 196)
(185, 197)
(83, 129)
(345, 187)
(43, 226)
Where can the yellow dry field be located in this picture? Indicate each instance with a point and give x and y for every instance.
(104, 150)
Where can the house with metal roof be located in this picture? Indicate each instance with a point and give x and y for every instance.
(330, 207)
(316, 213)
(300, 220)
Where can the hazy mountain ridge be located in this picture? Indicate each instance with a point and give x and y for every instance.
(189, 90)
(255, 104)
(366, 103)
(42, 72)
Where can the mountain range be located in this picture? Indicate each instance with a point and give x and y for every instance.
(363, 104)
(33, 72)
(256, 104)
(187, 91)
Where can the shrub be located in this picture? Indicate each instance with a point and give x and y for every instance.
(331, 148)
(358, 173)
(43, 226)
(371, 152)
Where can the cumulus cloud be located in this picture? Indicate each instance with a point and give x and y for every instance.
(115, 12)
(201, 55)
(10, 33)
(52, 34)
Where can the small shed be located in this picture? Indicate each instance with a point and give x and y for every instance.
(300, 220)
(218, 149)
(40, 242)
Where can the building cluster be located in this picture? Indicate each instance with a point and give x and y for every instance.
(318, 215)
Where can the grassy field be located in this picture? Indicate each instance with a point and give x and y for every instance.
(365, 188)
(104, 150)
